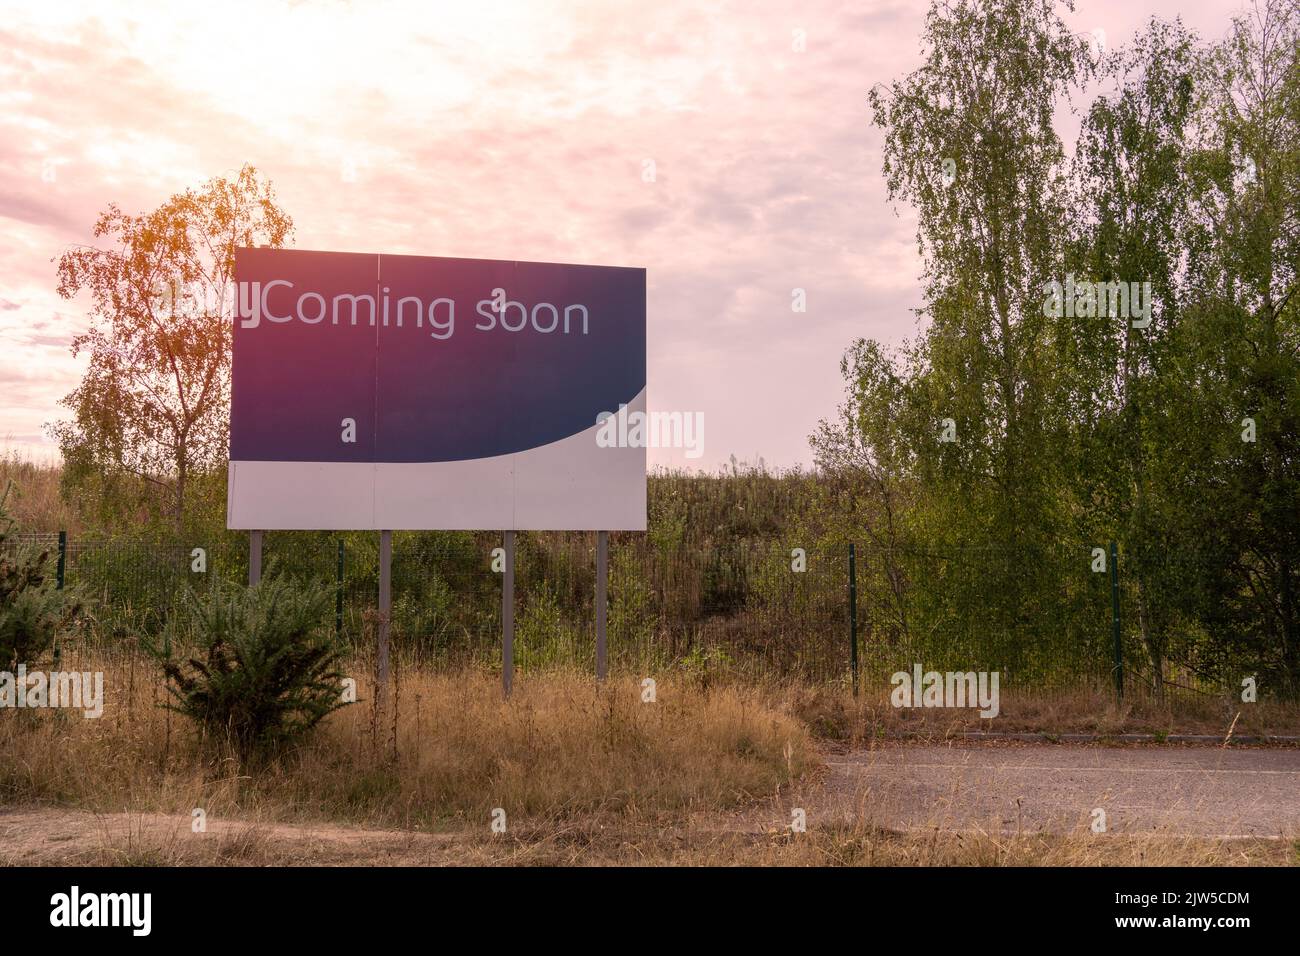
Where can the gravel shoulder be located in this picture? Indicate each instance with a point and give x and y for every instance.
(1199, 791)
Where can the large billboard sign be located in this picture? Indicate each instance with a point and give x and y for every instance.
(410, 392)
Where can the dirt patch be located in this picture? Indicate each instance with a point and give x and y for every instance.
(45, 836)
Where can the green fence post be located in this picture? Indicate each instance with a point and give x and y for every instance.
(63, 559)
(338, 592)
(853, 618)
(59, 572)
(1114, 622)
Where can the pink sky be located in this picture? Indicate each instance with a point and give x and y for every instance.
(507, 130)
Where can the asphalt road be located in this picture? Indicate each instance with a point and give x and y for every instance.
(1207, 791)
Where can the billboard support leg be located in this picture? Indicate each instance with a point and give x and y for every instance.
(385, 611)
(602, 573)
(508, 617)
(254, 557)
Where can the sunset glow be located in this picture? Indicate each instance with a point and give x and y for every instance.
(498, 130)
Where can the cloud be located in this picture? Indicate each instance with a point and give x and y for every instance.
(499, 130)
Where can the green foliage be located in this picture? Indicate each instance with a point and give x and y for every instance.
(262, 671)
(632, 609)
(546, 636)
(725, 585)
(1073, 431)
(33, 611)
(135, 582)
(705, 664)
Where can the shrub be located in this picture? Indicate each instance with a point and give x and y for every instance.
(262, 671)
(33, 611)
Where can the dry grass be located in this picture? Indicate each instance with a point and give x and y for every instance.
(448, 750)
(35, 501)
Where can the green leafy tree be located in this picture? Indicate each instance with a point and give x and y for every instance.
(970, 144)
(1118, 377)
(153, 406)
(1180, 439)
(1245, 252)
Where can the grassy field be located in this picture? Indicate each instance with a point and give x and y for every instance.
(446, 749)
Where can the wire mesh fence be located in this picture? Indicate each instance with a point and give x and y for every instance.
(1039, 617)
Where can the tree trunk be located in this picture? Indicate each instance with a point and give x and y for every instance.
(178, 516)
(1154, 651)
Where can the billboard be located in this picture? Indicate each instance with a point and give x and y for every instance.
(411, 392)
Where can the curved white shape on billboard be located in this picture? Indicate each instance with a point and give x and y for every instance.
(570, 484)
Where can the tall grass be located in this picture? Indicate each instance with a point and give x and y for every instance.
(37, 503)
(446, 748)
